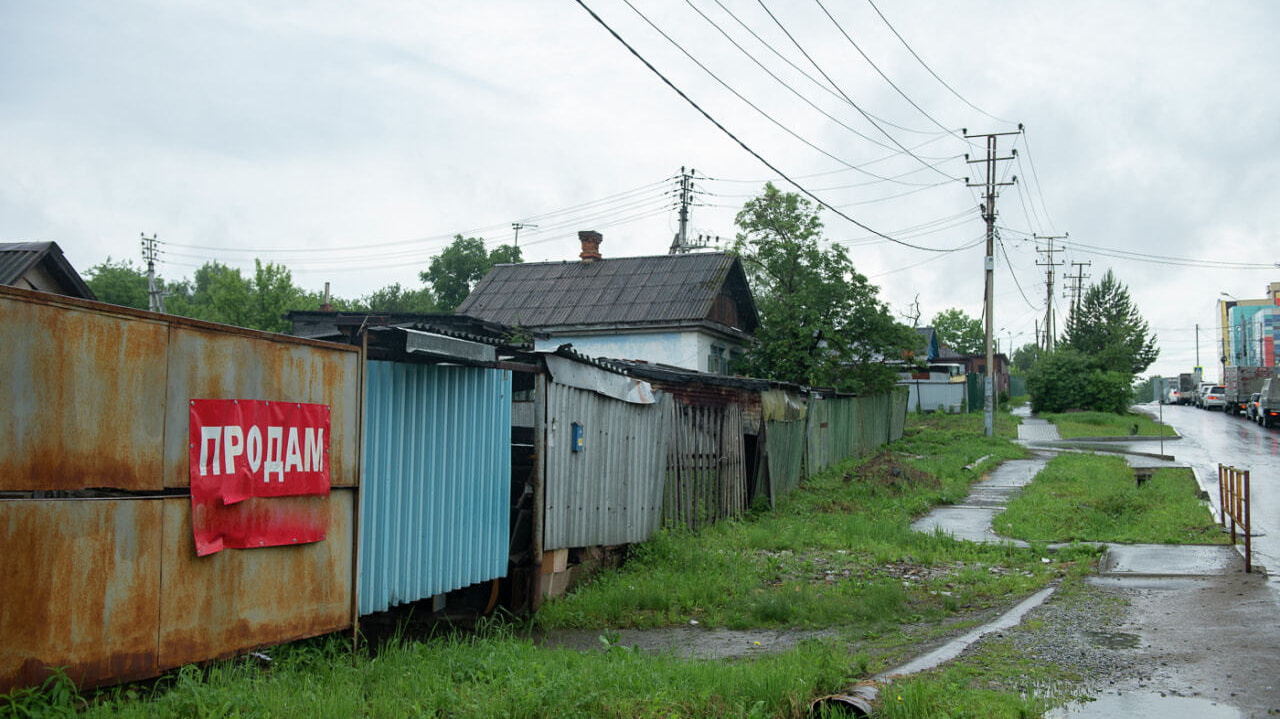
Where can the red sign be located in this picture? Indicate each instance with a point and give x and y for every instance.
(244, 456)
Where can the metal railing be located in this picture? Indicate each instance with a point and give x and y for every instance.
(1233, 498)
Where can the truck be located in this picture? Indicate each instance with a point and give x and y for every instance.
(1186, 387)
(1269, 402)
(1240, 382)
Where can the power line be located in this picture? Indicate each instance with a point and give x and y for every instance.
(751, 56)
(777, 123)
(735, 138)
(881, 72)
(814, 80)
(1031, 161)
(926, 66)
(855, 105)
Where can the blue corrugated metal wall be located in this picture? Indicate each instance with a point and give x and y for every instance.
(436, 482)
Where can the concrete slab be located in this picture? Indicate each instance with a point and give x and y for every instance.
(1037, 430)
(1176, 560)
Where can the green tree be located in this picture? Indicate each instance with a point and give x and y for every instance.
(1025, 357)
(821, 322)
(960, 332)
(120, 283)
(219, 293)
(1107, 328)
(1066, 379)
(454, 272)
(397, 299)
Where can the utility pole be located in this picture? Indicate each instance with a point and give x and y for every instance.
(680, 243)
(517, 226)
(1076, 293)
(988, 209)
(155, 297)
(1050, 329)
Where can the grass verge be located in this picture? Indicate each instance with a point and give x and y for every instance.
(1074, 425)
(838, 552)
(1094, 498)
(493, 674)
(1018, 673)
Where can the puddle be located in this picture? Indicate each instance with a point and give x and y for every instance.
(683, 641)
(1113, 640)
(1140, 705)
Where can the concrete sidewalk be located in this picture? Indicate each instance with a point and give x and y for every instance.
(1209, 632)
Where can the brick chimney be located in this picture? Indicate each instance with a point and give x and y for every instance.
(590, 240)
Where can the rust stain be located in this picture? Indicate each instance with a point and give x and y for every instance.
(81, 589)
(238, 599)
(86, 398)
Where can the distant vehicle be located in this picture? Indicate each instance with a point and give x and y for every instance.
(1215, 398)
(1186, 388)
(1198, 400)
(1240, 382)
(1251, 408)
(1269, 403)
(1173, 396)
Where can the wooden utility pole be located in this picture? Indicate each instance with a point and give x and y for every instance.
(988, 209)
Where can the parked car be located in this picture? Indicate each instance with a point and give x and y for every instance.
(1251, 407)
(1215, 398)
(1201, 390)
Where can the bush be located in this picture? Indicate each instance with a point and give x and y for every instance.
(1064, 380)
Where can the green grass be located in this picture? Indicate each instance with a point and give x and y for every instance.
(1094, 498)
(995, 678)
(838, 552)
(1074, 425)
(494, 674)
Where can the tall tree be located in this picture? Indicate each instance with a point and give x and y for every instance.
(219, 293)
(1107, 328)
(821, 322)
(454, 272)
(959, 331)
(394, 298)
(120, 283)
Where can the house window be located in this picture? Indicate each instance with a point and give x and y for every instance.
(718, 360)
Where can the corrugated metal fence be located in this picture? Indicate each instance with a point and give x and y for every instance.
(609, 492)
(437, 481)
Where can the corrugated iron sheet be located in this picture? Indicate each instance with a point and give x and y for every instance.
(785, 444)
(842, 427)
(898, 413)
(437, 481)
(610, 493)
(81, 589)
(706, 469)
(226, 603)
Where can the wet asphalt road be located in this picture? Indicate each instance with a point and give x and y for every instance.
(1213, 438)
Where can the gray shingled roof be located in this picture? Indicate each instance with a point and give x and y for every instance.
(16, 258)
(614, 291)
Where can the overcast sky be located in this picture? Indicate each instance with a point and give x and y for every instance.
(351, 141)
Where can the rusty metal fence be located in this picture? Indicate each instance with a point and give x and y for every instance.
(1233, 498)
(96, 537)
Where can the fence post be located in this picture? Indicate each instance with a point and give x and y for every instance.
(1248, 528)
